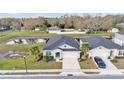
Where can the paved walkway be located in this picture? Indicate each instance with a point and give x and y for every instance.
(71, 66)
(110, 68)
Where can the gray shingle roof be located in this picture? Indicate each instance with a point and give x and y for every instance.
(121, 32)
(58, 40)
(99, 41)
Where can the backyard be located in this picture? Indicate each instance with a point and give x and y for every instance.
(4, 36)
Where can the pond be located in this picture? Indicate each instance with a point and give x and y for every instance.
(26, 41)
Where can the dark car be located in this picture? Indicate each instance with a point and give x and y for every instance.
(100, 62)
(70, 75)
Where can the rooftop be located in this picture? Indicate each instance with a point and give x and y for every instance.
(121, 32)
(99, 41)
(59, 40)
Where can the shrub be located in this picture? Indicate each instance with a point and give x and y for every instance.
(83, 58)
(114, 61)
(48, 58)
(40, 57)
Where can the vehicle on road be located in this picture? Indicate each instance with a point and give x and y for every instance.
(100, 62)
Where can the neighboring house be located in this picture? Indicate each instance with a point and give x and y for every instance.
(58, 30)
(113, 30)
(61, 46)
(53, 29)
(37, 29)
(71, 31)
(4, 27)
(119, 38)
(102, 47)
(120, 24)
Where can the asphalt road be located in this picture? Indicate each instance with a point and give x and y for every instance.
(62, 77)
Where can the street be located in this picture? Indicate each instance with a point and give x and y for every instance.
(61, 77)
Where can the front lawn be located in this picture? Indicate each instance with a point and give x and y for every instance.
(88, 64)
(118, 62)
(23, 73)
(19, 63)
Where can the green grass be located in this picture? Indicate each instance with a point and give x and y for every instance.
(24, 73)
(119, 63)
(91, 72)
(19, 47)
(13, 34)
(88, 64)
(10, 64)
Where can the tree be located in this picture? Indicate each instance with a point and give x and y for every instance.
(35, 51)
(85, 47)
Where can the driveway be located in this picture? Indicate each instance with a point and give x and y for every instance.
(110, 68)
(71, 66)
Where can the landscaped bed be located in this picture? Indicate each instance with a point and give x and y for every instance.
(88, 64)
(118, 62)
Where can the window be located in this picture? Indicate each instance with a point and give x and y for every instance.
(65, 46)
(48, 52)
(120, 53)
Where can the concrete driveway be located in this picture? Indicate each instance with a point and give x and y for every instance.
(110, 68)
(71, 66)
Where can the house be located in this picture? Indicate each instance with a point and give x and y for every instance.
(37, 29)
(61, 46)
(120, 24)
(113, 30)
(4, 27)
(102, 47)
(60, 31)
(119, 38)
(53, 29)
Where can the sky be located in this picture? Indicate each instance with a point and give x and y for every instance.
(35, 15)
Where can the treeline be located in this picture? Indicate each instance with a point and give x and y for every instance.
(97, 23)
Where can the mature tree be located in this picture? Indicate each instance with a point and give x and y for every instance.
(35, 51)
(85, 47)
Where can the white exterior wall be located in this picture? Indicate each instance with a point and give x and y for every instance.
(119, 36)
(103, 52)
(54, 31)
(53, 53)
(117, 41)
(71, 54)
(99, 51)
(75, 32)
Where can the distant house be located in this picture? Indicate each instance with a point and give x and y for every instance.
(61, 46)
(58, 30)
(119, 38)
(120, 24)
(102, 47)
(4, 27)
(53, 29)
(113, 30)
(37, 29)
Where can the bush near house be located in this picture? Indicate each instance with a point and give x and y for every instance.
(47, 58)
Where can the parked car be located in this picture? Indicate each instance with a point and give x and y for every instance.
(100, 62)
(70, 75)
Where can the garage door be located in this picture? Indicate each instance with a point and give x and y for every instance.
(100, 53)
(69, 54)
